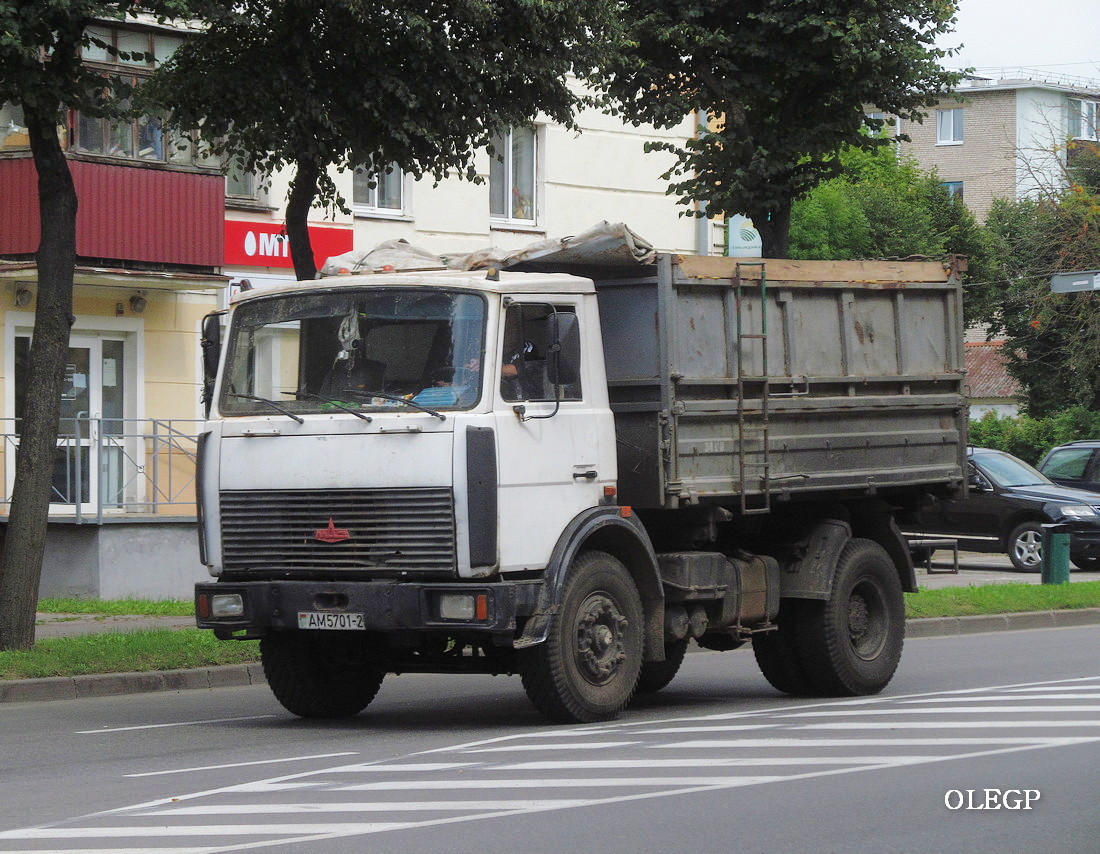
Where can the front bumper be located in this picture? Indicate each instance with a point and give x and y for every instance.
(386, 606)
(1085, 542)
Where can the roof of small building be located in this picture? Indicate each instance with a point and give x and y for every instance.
(986, 373)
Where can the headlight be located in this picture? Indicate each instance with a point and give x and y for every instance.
(1076, 510)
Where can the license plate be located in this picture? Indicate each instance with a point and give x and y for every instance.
(315, 620)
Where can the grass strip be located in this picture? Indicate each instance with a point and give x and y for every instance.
(119, 652)
(1002, 599)
(144, 607)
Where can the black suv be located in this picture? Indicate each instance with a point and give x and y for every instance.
(1075, 464)
(1007, 505)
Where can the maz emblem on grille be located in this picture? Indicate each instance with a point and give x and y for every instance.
(332, 534)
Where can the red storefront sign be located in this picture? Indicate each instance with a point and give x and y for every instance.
(250, 244)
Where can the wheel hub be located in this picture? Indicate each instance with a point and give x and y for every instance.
(867, 620)
(599, 639)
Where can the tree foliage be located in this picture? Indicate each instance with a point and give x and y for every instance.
(1030, 438)
(1052, 341)
(422, 84)
(785, 84)
(884, 205)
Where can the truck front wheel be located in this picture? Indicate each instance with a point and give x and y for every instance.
(587, 668)
(851, 643)
(332, 675)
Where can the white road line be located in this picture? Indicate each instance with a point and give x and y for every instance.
(842, 742)
(243, 764)
(705, 762)
(1049, 688)
(114, 849)
(410, 766)
(1016, 698)
(373, 806)
(715, 728)
(953, 725)
(179, 723)
(966, 710)
(349, 828)
(552, 783)
(508, 748)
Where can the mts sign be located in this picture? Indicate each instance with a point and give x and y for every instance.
(250, 244)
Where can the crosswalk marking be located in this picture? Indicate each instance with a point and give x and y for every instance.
(553, 783)
(374, 806)
(474, 781)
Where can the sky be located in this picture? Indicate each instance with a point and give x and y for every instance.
(1053, 36)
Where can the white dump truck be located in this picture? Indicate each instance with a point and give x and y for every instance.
(571, 465)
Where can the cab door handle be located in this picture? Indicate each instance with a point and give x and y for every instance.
(585, 475)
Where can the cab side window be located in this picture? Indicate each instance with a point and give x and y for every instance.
(526, 371)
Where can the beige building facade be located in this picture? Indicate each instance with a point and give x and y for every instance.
(1005, 138)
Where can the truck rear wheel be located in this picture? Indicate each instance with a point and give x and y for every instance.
(778, 655)
(851, 644)
(330, 675)
(587, 668)
(656, 675)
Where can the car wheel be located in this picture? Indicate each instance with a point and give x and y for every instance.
(1025, 547)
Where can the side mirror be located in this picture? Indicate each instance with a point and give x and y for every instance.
(563, 332)
(211, 344)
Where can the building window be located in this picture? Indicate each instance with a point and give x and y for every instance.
(512, 176)
(385, 196)
(240, 183)
(129, 47)
(119, 50)
(13, 130)
(1084, 119)
(949, 126)
(954, 189)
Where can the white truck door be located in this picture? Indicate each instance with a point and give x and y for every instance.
(548, 449)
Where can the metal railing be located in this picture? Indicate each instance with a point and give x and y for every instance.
(114, 467)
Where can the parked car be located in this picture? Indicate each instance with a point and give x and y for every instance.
(1075, 464)
(1007, 505)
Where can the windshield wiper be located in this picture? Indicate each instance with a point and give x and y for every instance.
(369, 394)
(337, 403)
(270, 403)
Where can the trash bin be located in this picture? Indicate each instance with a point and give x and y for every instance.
(1055, 569)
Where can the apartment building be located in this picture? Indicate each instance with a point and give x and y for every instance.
(1007, 136)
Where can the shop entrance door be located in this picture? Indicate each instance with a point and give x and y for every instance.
(88, 461)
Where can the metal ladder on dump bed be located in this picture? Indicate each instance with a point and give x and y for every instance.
(762, 465)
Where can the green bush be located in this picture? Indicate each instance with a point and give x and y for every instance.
(1030, 438)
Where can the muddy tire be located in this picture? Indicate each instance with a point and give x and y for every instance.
(587, 668)
(321, 675)
(850, 644)
(656, 675)
(778, 655)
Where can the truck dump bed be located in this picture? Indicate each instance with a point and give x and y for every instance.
(747, 383)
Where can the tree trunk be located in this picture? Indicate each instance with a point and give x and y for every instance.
(774, 227)
(25, 537)
(303, 190)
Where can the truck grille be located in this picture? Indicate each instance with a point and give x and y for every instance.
(380, 529)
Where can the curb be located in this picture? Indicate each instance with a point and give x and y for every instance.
(114, 684)
(236, 675)
(930, 627)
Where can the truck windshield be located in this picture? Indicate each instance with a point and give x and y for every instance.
(382, 349)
